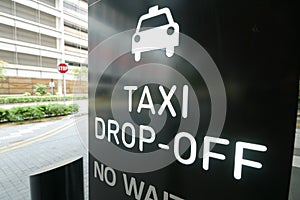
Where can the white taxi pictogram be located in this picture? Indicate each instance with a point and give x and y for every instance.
(161, 37)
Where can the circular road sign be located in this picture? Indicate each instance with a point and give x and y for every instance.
(62, 68)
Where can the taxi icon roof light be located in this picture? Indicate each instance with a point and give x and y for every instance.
(153, 9)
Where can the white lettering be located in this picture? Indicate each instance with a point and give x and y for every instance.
(133, 186)
(97, 120)
(143, 138)
(149, 105)
(175, 197)
(185, 101)
(208, 154)
(151, 191)
(105, 171)
(167, 100)
(111, 131)
(98, 171)
(130, 92)
(131, 127)
(239, 161)
(193, 152)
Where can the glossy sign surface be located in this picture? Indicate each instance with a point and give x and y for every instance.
(191, 99)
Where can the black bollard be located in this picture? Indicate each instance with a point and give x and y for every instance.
(61, 181)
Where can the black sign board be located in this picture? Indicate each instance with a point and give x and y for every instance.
(192, 100)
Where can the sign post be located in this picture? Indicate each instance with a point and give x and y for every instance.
(202, 105)
(63, 68)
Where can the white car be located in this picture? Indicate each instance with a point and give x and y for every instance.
(161, 37)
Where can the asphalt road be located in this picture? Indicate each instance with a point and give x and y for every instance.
(26, 148)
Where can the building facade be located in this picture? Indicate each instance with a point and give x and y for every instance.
(37, 35)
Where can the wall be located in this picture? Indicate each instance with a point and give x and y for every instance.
(18, 85)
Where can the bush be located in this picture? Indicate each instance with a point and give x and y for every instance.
(26, 94)
(57, 109)
(3, 115)
(40, 89)
(18, 114)
(74, 108)
(28, 99)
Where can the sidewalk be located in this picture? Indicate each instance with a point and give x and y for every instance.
(49, 143)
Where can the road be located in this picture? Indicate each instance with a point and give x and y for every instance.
(26, 148)
(295, 177)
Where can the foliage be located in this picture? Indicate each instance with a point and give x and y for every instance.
(80, 73)
(17, 114)
(40, 89)
(29, 99)
(2, 66)
(3, 114)
(26, 94)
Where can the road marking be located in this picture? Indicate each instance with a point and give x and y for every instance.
(26, 130)
(37, 138)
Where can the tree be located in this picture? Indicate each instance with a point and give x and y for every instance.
(2, 66)
(80, 73)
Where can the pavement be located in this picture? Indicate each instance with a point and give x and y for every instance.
(24, 149)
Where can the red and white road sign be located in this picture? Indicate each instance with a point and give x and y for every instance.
(62, 68)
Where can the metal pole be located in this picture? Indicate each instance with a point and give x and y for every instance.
(64, 82)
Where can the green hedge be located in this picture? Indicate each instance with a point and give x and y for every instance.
(29, 99)
(18, 114)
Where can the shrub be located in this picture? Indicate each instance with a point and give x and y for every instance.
(27, 99)
(40, 89)
(18, 114)
(3, 115)
(26, 94)
(56, 109)
(15, 114)
(74, 108)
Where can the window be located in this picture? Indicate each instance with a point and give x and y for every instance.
(26, 12)
(49, 62)
(49, 2)
(75, 8)
(48, 20)
(27, 36)
(6, 6)
(27, 59)
(7, 31)
(154, 22)
(75, 64)
(77, 46)
(48, 41)
(75, 27)
(8, 56)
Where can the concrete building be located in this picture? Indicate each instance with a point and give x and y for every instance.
(37, 35)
